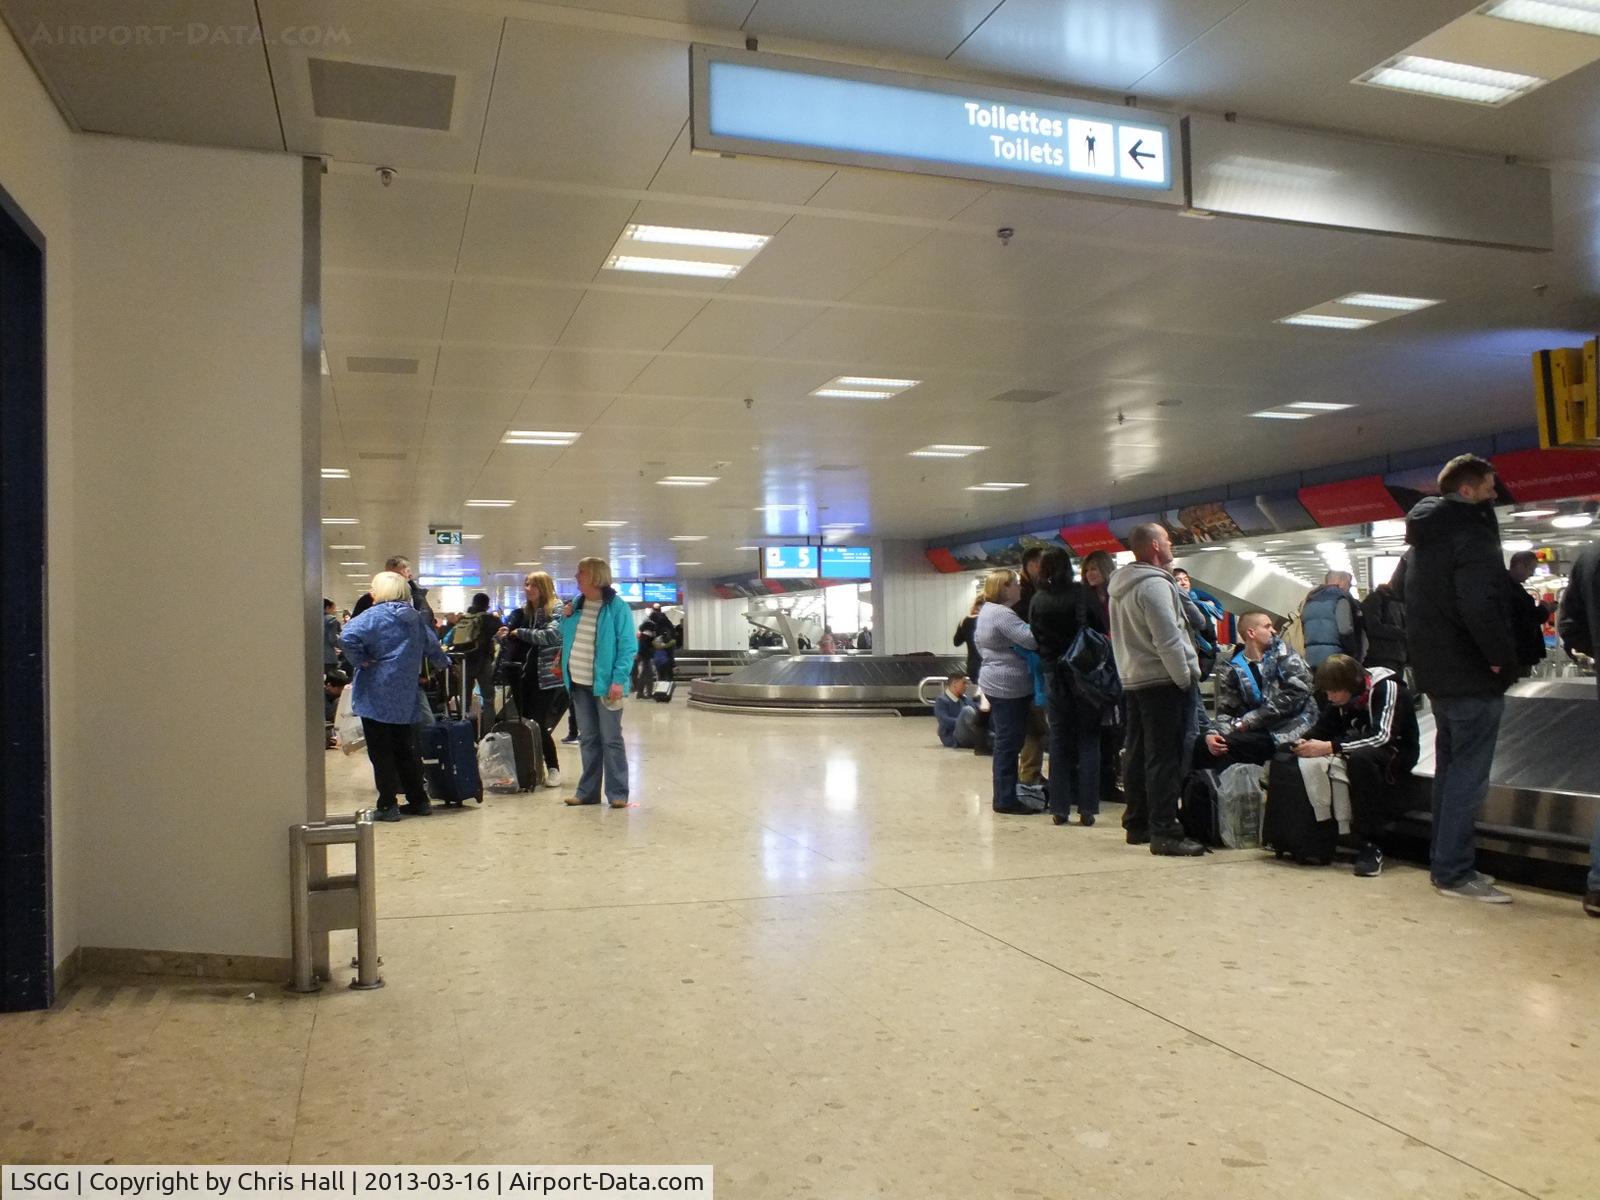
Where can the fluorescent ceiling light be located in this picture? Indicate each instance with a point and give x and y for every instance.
(528, 564)
(558, 547)
(340, 521)
(688, 480)
(1379, 300)
(605, 524)
(672, 235)
(1574, 16)
(1536, 512)
(1450, 80)
(335, 473)
(872, 381)
(747, 547)
(539, 437)
(671, 266)
(831, 393)
(1517, 547)
(1278, 414)
(490, 503)
(995, 487)
(1576, 521)
(687, 564)
(472, 537)
(687, 537)
(1389, 529)
(352, 564)
(1247, 555)
(863, 387)
(780, 508)
(346, 547)
(946, 450)
(1319, 406)
(1318, 321)
(1329, 547)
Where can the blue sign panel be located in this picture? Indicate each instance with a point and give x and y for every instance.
(660, 593)
(751, 103)
(789, 562)
(630, 590)
(847, 562)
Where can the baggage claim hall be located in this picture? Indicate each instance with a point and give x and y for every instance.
(820, 598)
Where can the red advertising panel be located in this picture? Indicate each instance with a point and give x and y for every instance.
(1352, 502)
(1548, 474)
(944, 561)
(1086, 539)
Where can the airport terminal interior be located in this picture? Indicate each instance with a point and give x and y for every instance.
(788, 335)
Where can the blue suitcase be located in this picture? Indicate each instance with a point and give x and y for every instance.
(450, 761)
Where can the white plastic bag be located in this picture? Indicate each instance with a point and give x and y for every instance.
(1241, 805)
(497, 763)
(352, 737)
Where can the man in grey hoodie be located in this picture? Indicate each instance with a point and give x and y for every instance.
(1158, 665)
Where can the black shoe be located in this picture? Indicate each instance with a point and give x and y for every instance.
(1369, 862)
(983, 751)
(417, 810)
(1017, 810)
(1136, 839)
(1059, 818)
(1591, 903)
(569, 741)
(1085, 819)
(391, 813)
(1176, 847)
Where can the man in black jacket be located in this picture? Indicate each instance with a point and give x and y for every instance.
(1578, 623)
(1462, 649)
(1527, 613)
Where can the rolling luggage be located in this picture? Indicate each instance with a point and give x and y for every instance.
(1291, 827)
(662, 692)
(450, 762)
(525, 747)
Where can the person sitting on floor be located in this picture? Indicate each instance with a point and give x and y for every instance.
(1369, 722)
(1265, 701)
(957, 714)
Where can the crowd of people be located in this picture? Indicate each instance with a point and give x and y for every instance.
(405, 667)
(1107, 669)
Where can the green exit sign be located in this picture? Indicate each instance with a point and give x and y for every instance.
(446, 537)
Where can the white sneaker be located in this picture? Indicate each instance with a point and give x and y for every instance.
(552, 778)
(1475, 889)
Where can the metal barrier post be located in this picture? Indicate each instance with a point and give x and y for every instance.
(336, 902)
(367, 977)
(305, 976)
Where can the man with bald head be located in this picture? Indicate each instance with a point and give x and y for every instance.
(1159, 667)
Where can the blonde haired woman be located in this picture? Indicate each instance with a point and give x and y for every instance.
(532, 637)
(597, 649)
(1006, 680)
(387, 645)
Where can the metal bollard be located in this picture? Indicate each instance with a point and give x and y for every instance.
(339, 902)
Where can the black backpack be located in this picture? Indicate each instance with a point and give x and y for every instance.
(1089, 666)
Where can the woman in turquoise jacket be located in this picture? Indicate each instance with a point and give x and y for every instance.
(597, 649)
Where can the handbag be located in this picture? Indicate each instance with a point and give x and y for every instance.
(1089, 664)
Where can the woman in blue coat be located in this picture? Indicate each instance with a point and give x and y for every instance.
(598, 643)
(387, 645)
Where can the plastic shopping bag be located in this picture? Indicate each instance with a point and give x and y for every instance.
(497, 763)
(352, 737)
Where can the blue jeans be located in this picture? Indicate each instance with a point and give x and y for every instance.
(1462, 755)
(600, 742)
(1074, 755)
(1009, 721)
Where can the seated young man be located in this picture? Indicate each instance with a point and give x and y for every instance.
(957, 714)
(1372, 725)
(1265, 701)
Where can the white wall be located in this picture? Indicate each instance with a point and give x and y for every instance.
(36, 155)
(916, 607)
(714, 623)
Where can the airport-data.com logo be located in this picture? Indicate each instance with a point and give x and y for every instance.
(192, 34)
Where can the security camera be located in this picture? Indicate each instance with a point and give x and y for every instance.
(1005, 233)
(386, 175)
(749, 401)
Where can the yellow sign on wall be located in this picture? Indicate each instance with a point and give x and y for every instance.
(1566, 389)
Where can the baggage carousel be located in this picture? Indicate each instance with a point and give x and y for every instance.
(858, 684)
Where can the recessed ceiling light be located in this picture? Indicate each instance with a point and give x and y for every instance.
(996, 487)
(1576, 521)
(687, 537)
(346, 547)
(672, 235)
(946, 450)
(604, 524)
(490, 503)
(780, 508)
(671, 266)
(352, 564)
(833, 393)
(1450, 80)
(340, 521)
(1329, 547)
(1379, 300)
(747, 547)
(1536, 512)
(1278, 414)
(539, 437)
(1247, 555)
(558, 547)
(1319, 406)
(528, 564)
(873, 381)
(1517, 546)
(863, 387)
(335, 473)
(688, 564)
(688, 480)
(1317, 321)
(472, 537)
(1574, 16)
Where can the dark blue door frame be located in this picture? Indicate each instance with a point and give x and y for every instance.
(26, 957)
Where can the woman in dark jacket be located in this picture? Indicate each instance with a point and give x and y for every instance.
(529, 632)
(1097, 569)
(1061, 607)
(966, 635)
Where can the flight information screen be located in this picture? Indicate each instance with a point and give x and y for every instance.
(847, 562)
(789, 562)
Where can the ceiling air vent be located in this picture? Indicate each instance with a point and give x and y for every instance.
(358, 364)
(1023, 396)
(381, 455)
(345, 91)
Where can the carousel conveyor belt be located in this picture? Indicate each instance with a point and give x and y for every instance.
(825, 683)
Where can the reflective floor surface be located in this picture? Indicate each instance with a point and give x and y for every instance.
(811, 956)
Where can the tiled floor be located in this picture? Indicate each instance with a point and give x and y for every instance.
(813, 957)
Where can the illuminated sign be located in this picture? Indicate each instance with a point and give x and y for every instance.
(445, 537)
(847, 562)
(660, 593)
(751, 103)
(789, 562)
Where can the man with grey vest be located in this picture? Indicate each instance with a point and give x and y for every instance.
(1158, 665)
(1331, 620)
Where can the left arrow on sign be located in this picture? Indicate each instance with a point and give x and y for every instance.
(1137, 155)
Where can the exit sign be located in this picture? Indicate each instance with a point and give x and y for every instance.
(446, 537)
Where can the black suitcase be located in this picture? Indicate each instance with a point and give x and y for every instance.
(1291, 827)
(662, 692)
(450, 761)
(526, 749)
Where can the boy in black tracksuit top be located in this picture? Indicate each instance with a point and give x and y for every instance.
(1370, 722)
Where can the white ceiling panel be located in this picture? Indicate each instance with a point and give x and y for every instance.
(376, 306)
(557, 116)
(600, 371)
(894, 194)
(373, 404)
(540, 235)
(488, 367)
(823, 258)
(342, 349)
(384, 434)
(928, 27)
(751, 178)
(1037, 210)
(627, 321)
(415, 224)
(726, 14)
(512, 313)
(555, 410)
(165, 85)
(404, 34)
(743, 327)
(473, 409)
(672, 376)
